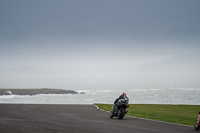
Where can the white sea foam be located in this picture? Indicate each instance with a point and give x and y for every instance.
(13, 96)
(189, 89)
(85, 91)
(156, 89)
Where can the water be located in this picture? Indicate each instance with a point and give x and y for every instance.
(136, 96)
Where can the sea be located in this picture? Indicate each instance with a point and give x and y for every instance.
(186, 96)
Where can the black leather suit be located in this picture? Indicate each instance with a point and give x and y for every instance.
(120, 97)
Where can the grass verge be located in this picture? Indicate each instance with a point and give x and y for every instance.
(181, 114)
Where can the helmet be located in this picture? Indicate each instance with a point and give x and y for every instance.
(124, 94)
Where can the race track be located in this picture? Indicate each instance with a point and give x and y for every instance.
(48, 118)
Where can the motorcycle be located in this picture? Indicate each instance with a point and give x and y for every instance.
(197, 125)
(122, 106)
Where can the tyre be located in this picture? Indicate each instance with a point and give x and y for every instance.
(196, 125)
(121, 113)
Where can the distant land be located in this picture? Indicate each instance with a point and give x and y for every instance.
(35, 91)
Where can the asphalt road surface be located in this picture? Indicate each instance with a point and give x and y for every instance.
(48, 118)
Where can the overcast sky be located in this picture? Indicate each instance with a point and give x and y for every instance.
(88, 43)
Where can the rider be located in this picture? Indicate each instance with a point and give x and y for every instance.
(123, 96)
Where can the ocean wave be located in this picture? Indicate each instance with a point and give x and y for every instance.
(85, 91)
(93, 91)
(156, 89)
(12, 96)
(189, 89)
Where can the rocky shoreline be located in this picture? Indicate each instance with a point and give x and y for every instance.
(35, 91)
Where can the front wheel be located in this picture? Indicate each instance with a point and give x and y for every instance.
(121, 113)
(196, 125)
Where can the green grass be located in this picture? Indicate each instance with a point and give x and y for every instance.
(181, 114)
